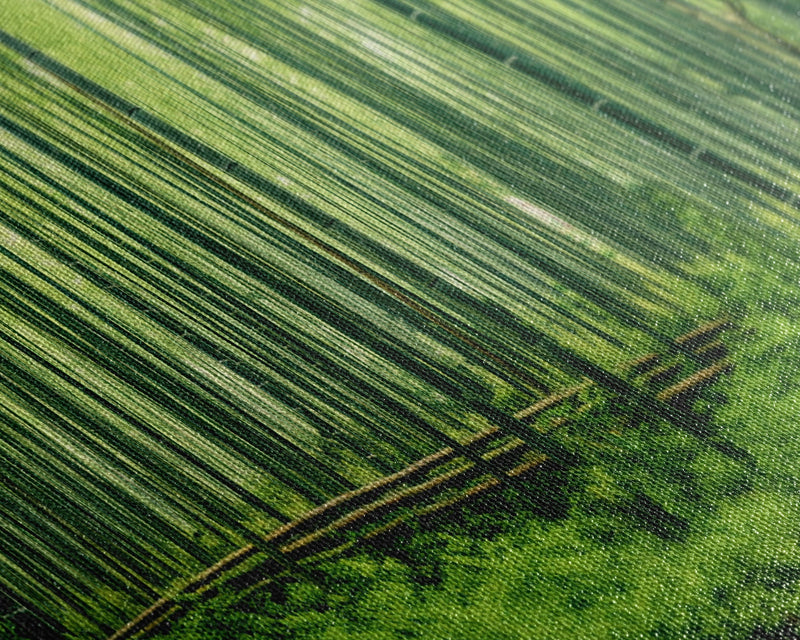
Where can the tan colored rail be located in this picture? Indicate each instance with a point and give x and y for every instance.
(699, 378)
(551, 401)
(707, 331)
(643, 363)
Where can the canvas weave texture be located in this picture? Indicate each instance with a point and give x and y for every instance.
(391, 319)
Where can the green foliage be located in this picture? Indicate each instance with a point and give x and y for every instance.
(242, 273)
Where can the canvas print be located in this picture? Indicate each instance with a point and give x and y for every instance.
(392, 319)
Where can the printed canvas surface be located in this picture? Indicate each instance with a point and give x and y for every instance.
(391, 319)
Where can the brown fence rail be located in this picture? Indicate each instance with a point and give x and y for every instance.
(703, 334)
(696, 381)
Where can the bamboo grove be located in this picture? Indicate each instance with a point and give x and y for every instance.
(256, 255)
